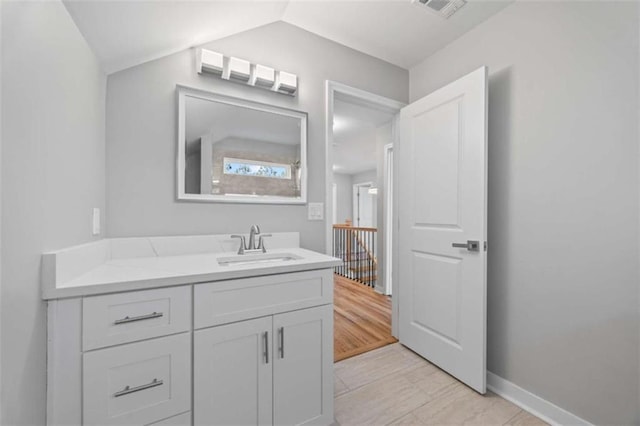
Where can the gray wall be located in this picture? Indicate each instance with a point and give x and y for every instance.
(563, 198)
(344, 186)
(53, 97)
(141, 131)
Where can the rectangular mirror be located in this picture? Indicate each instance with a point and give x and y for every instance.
(238, 151)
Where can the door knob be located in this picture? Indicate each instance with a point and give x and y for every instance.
(471, 245)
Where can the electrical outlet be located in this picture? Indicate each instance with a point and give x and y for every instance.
(315, 211)
(96, 221)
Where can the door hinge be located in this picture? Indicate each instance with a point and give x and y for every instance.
(485, 246)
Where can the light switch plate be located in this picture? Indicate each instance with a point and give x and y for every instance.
(96, 221)
(315, 211)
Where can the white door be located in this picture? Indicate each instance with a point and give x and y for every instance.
(364, 205)
(303, 367)
(237, 392)
(442, 227)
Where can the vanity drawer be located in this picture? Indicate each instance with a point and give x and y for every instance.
(127, 317)
(235, 300)
(139, 383)
(183, 419)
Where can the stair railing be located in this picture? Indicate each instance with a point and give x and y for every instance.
(356, 246)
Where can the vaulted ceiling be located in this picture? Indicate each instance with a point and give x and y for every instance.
(127, 33)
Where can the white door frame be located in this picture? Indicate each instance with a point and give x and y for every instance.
(331, 89)
(387, 203)
(334, 210)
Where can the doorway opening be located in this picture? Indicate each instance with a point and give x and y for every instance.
(361, 128)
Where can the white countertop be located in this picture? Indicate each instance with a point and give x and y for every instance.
(125, 274)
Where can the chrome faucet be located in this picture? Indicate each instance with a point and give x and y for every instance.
(252, 246)
(255, 230)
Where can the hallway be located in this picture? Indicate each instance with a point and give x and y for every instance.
(362, 319)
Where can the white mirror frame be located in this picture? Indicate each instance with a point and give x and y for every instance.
(184, 91)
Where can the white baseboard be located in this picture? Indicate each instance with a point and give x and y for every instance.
(537, 406)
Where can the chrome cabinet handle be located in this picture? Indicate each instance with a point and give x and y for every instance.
(265, 337)
(471, 245)
(127, 389)
(128, 319)
(281, 332)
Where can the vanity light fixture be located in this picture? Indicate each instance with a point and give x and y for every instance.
(239, 70)
(243, 71)
(210, 61)
(264, 76)
(286, 83)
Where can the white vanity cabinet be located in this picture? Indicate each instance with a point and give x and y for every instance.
(255, 350)
(278, 330)
(287, 358)
(120, 359)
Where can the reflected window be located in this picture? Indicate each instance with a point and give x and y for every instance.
(241, 167)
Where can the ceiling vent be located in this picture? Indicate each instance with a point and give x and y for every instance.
(442, 8)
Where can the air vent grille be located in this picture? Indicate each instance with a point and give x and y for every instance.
(443, 8)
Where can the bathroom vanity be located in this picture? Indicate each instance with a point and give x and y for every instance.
(182, 330)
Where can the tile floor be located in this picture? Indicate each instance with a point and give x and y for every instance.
(394, 386)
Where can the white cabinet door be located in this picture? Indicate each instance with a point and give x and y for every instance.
(303, 367)
(233, 374)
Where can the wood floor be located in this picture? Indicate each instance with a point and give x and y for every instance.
(362, 319)
(394, 386)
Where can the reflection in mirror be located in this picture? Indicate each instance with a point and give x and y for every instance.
(233, 150)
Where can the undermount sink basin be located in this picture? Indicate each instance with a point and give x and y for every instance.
(253, 259)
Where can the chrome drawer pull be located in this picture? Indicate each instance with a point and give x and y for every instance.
(266, 347)
(138, 318)
(281, 342)
(127, 390)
